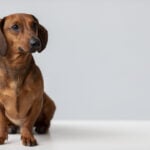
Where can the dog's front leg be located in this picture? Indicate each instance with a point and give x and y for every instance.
(3, 126)
(26, 128)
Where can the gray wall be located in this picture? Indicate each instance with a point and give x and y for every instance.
(97, 62)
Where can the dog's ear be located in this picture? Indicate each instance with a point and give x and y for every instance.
(43, 36)
(3, 43)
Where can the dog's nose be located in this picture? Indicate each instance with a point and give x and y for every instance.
(34, 43)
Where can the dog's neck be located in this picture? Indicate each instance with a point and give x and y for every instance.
(17, 66)
(18, 61)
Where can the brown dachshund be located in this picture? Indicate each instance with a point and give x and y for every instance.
(23, 102)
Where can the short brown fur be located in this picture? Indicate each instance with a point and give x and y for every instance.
(23, 102)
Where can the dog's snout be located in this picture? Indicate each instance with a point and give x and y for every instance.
(34, 43)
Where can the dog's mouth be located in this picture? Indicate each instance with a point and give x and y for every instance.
(22, 51)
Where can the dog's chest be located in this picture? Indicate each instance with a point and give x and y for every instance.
(16, 100)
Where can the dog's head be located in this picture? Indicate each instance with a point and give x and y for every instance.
(22, 33)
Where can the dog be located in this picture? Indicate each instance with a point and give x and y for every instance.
(23, 102)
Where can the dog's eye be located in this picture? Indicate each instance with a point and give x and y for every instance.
(34, 26)
(15, 27)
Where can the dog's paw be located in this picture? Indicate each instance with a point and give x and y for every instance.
(27, 137)
(3, 138)
(28, 141)
(12, 130)
(41, 129)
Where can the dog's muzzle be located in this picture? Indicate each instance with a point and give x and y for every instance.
(35, 44)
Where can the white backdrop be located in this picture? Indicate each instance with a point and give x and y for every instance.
(97, 62)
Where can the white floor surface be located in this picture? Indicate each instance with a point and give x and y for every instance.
(89, 135)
